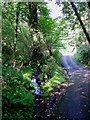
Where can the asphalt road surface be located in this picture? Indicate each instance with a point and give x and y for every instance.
(75, 105)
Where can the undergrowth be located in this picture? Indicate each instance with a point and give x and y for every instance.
(17, 99)
(83, 55)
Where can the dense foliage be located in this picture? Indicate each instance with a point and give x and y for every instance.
(83, 55)
(27, 44)
(31, 39)
(18, 101)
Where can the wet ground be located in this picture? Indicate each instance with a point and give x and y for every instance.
(75, 105)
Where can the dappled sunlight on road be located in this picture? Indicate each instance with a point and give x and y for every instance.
(76, 103)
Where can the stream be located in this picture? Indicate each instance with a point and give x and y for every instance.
(38, 95)
(36, 82)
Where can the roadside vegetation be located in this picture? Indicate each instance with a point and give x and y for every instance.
(83, 55)
(31, 40)
(28, 43)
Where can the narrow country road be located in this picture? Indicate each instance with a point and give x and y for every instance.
(75, 105)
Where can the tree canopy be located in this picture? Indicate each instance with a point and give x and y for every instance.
(33, 41)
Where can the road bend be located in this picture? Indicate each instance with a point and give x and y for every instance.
(75, 105)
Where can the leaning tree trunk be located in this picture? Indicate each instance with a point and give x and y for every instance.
(81, 23)
(88, 4)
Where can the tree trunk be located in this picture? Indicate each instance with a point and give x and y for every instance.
(88, 4)
(50, 50)
(33, 16)
(81, 23)
(16, 29)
